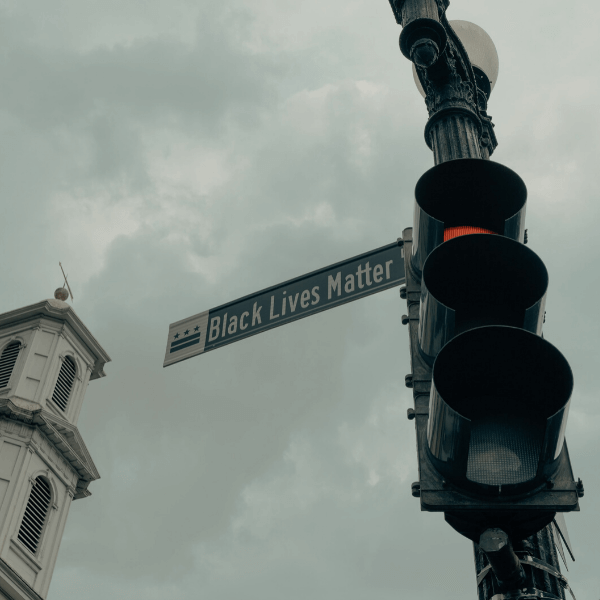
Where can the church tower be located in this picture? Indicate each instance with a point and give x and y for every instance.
(47, 358)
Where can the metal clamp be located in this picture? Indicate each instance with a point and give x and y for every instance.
(526, 593)
(411, 413)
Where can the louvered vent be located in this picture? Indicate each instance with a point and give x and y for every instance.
(64, 383)
(34, 518)
(7, 362)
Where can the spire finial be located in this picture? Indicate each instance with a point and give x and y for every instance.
(63, 293)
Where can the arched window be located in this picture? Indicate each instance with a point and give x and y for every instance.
(7, 362)
(64, 383)
(36, 511)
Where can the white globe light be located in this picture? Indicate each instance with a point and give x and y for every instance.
(480, 48)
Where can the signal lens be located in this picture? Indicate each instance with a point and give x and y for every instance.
(452, 232)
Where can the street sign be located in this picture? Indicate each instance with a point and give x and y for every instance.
(331, 286)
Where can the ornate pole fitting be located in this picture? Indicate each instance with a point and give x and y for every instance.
(455, 92)
(423, 37)
(455, 128)
(488, 139)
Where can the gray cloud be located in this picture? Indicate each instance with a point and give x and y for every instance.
(177, 156)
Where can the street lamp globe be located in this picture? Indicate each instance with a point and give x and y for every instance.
(482, 54)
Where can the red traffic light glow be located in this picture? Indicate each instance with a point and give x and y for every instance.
(452, 232)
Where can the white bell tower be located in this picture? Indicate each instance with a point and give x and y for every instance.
(47, 358)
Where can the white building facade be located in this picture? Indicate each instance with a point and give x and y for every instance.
(47, 359)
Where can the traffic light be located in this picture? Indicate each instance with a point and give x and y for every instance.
(491, 394)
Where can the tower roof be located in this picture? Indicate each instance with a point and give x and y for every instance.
(58, 310)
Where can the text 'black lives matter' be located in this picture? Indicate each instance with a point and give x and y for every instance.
(320, 290)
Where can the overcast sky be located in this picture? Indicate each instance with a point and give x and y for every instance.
(179, 154)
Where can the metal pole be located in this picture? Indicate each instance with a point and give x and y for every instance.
(459, 127)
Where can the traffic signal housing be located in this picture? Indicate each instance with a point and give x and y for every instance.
(466, 195)
(491, 394)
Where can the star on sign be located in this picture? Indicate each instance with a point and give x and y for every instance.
(176, 336)
(197, 327)
(186, 331)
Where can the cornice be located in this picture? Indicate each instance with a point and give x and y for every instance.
(62, 469)
(61, 435)
(62, 312)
